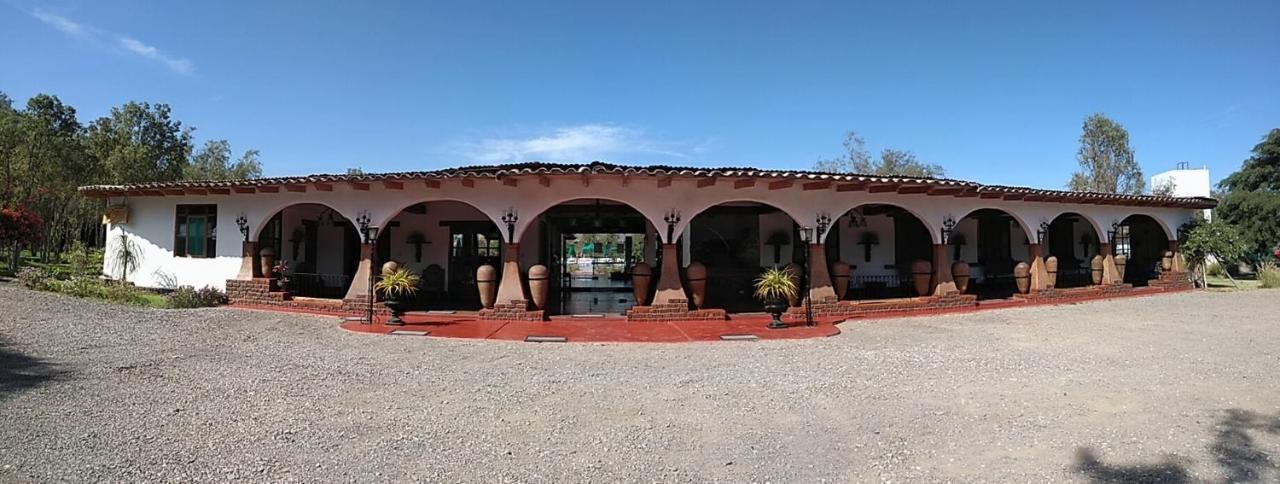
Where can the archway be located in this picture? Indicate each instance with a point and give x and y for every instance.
(1074, 241)
(444, 242)
(590, 246)
(879, 242)
(1143, 241)
(992, 241)
(317, 249)
(736, 241)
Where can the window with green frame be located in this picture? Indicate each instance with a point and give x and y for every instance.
(195, 231)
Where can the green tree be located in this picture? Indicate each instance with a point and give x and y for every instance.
(213, 162)
(891, 162)
(1251, 196)
(1216, 239)
(140, 143)
(1107, 163)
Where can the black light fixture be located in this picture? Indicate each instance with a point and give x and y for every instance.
(671, 218)
(823, 222)
(1043, 232)
(856, 220)
(1111, 234)
(370, 234)
(510, 218)
(243, 223)
(948, 225)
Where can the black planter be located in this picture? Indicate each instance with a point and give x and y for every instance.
(776, 307)
(396, 311)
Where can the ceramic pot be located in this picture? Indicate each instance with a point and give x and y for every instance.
(921, 273)
(795, 271)
(396, 311)
(1121, 261)
(1095, 269)
(487, 284)
(1051, 266)
(696, 273)
(840, 272)
(539, 285)
(1022, 276)
(641, 279)
(1166, 261)
(960, 273)
(267, 257)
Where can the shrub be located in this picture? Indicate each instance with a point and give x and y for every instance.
(190, 297)
(34, 278)
(1268, 275)
(1214, 269)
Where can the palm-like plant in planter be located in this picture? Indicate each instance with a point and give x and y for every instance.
(393, 286)
(775, 287)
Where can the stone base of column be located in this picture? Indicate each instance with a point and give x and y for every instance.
(674, 310)
(513, 310)
(1172, 280)
(942, 282)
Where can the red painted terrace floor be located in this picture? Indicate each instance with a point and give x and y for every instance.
(618, 330)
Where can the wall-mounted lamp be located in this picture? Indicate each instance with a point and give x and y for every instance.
(370, 234)
(671, 218)
(243, 223)
(1043, 232)
(948, 225)
(823, 222)
(510, 218)
(1111, 234)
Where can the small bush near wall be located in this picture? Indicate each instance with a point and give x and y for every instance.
(1268, 275)
(190, 297)
(34, 278)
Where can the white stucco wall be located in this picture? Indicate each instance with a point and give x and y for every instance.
(151, 221)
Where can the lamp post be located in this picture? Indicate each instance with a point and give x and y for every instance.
(510, 218)
(806, 236)
(368, 234)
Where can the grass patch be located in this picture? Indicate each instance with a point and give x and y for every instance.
(1220, 283)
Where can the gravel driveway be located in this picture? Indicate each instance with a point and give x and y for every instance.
(1168, 388)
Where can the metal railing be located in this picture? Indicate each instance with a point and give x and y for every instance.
(307, 284)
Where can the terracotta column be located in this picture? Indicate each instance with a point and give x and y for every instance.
(670, 290)
(249, 266)
(942, 282)
(820, 287)
(1039, 273)
(1179, 265)
(510, 288)
(360, 281)
(1110, 273)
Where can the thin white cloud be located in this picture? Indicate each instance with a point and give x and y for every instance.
(586, 142)
(179, 65)
(103, 38)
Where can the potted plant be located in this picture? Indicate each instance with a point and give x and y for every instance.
(280, 272)
(774, 287)
(393, 286)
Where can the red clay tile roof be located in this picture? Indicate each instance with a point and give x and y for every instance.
(959, 187)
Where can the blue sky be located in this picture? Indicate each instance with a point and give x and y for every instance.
(993, 91)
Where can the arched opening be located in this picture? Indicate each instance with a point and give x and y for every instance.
(443, 242)
(992, 242)
(590, 247)
(879, 242)
(1143, 242)
(736, 241)
(1073, 240)
(315, 248)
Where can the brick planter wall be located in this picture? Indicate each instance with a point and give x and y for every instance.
(261, 291)
(833, 308)
(676, 310)
(1073, 293)
(514, 310)
(1172, 281)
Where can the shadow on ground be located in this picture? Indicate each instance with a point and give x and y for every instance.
(1234, 450)
(20, 372)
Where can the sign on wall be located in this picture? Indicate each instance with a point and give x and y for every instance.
(117, 214)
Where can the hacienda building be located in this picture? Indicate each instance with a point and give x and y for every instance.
(533, 241)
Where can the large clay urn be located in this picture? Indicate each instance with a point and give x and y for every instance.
(1051, 266)
(795, 270)
(960, 273)
(1166, 262)
(487, 284)
(1022, 276)
(641, 280)
(921, 273)
(267, 257)
(1095, 269)
(696, 273)
(1121, 261)
(538, 285)
(390, 267)
(840, 272)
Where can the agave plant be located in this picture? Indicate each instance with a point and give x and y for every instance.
(126, 255)
(776, 284)
(394, 285)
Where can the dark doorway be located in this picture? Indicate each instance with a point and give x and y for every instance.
(729, 240)
(1143, 242)
(471, 245)
(995, 254)
(590, 247)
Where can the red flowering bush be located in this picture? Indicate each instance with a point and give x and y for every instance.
(19, 224)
